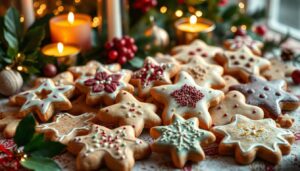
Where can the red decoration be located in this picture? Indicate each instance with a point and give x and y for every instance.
(121, 50)
(103, 82)
(150, 72)
(8, 160)
(187, 96)
(223, 2)
(240, 32)
(296, 76)
(50, 70)
(261, 30)
(144, 5)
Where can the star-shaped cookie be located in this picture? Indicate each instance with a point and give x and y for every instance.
(129, 111)
(187, 99)
(269, 95)
(244, 41)
(117, 149)
(234, 103)
(248, 138)
(63, 78)
(45, 99)
(242, 63)
(278, 70)
(153, 74)
(183, 139)
(79, 106)
(229, 81)
(204, 74)
(197, 48)
(65, 126)
(103, 86)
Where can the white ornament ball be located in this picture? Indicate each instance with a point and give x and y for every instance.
(10, 82)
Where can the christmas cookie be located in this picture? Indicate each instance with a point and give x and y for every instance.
(103, 86)
(91, 68)
(79, 106)
(183, 139)
(234, 103)
(269, 95)
(65, 126)
(153, 74)
(45, 99)
(244, 41)
(278, 70)
(204, 74)
(285, 121)
(129, 111)
(197, 48)
(63, 78)
(117, 149)
(229, 81)
(187, 99)
(242, 63)
(248, 138)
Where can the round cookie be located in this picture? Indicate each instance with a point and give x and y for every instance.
(248, 139)
(244, 41)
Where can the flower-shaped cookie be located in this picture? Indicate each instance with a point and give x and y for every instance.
(103, 86)
(153, 74)
(117, 148)
(187, 99)
(183, 139)
(244, 41)
(45, 99)
(197, 48)
(129, 111)
(242, 63)
(248, 138)
(269, 95)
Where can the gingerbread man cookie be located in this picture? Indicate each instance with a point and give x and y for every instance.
(278, 70)
(204, 74)
(242, 63)
(103, 86)
(229, 81)
(187, 99)
(234, 103)
(197, 48)
(45, 99)
(269, 95)
(183, 139)
(153, 74)
(117, 149)
(65, 126)
(63, 78)
(129, 111)
(244, 41)
(248, 138)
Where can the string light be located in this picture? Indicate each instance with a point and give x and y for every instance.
(22, 19)
(77, 1)
(96, 22)
(233, 29)
(244, 27)
(241, 5)
(163, 9)
(198, 13)
(178, 13)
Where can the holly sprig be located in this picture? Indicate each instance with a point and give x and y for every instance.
(37, 151)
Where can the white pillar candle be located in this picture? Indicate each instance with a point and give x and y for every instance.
(114, 24)
(28, 12)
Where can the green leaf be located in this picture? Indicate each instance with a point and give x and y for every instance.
(33, 39)
(136, 62)
(40, 164)
(12, 30)
(230, 12)
(25, 131)
(33, 70)
(41, 21)
(38, 146)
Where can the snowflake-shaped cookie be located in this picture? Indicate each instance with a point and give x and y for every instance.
(187, 99)
(65, 126)
(244, 41)
(129, 111)
(116, 148)
(182, 138)
(248, 138)
(45, 99)
(184, 53)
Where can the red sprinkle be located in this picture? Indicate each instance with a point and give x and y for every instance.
(187, 96)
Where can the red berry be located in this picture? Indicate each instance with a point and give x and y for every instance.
(261, 30)
(108, 45)
(122, 60)
(296, 76)
(153, 3)
(50, 70)
(134, 48)
(130, 55)
(112, 55)
(240, 32)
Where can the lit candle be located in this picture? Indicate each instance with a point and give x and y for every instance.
(73, 29)
(28, 12)
(65, 54)
(188, 29)
(114, 24)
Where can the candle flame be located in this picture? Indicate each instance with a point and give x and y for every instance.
(60, 47)
(71, 17)
(193, 19)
